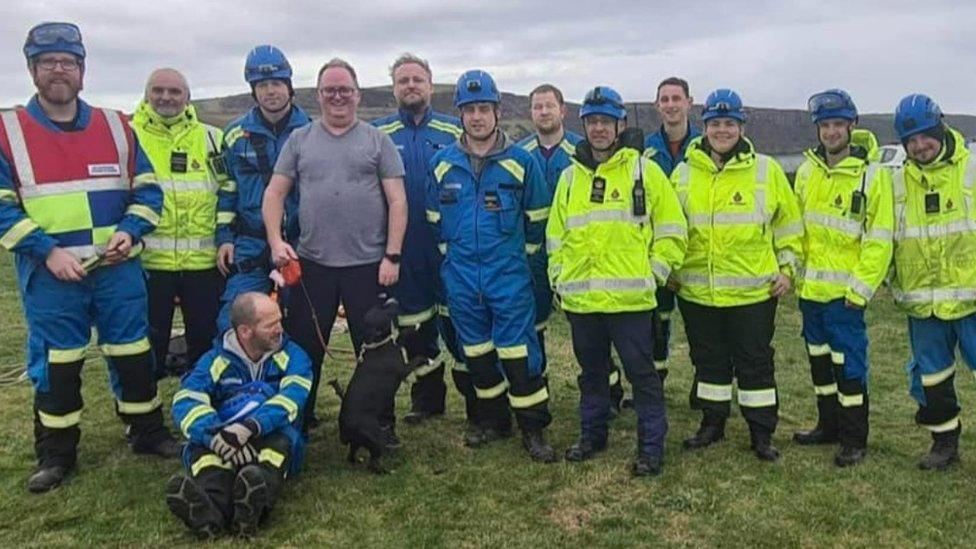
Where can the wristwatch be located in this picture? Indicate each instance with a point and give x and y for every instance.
(393, 258)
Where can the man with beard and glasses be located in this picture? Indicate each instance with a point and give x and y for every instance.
(419, 133)
(845, 197)
(352, 213)
(77, 194)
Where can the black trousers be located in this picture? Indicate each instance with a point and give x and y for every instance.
(357, 288)
(733, 343)
(199, 294)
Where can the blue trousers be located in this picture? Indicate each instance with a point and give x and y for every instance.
(931, 371)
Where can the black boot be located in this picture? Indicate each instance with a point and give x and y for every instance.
(762, 444)
(850, 455)
(944, 451)
(252, 500)
(583, 449)
(646, 465)
(418, 415)
(817, 435)
(47, 478)
(479, 435)
(194, 507)
(534, 442)
(826, 430)
(712, 430)
(167, 447)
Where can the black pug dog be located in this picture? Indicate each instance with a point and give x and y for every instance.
(381, 367)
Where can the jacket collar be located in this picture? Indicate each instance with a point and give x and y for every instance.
(406, 117)
(36, 112)
(698, 158)
(146, 117)
(233, 346)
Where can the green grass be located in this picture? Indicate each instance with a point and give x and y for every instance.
(442, 494)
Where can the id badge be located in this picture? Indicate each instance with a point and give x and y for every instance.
(217, 165)
(598, 190)
(857, 203)
(178, 162)
(932, 205)
(492, 203)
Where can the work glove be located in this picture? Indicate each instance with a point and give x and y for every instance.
(246, 455)
(233, 437)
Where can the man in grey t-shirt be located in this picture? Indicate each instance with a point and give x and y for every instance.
(352, 211)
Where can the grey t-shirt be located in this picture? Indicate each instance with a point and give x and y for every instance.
(342, 210)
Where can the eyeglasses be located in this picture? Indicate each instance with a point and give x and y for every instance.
(67, 64)
(50, 34)
(341, 91)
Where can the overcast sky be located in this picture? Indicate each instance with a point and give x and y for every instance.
(774, 53)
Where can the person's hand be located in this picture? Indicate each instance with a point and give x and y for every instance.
(389, 272)
(281, 252)
(245, 456)
(673, 283)
(781, 286)
(851, 305)
(118, 248)
(64, 266)
(223, 444)
(241, 432)
(225, 258)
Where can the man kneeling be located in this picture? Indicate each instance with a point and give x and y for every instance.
(240, 409)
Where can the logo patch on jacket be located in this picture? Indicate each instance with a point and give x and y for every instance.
(737, 198)
(96, 170)
(195, 165)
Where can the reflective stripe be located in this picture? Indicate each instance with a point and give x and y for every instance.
(7, 195)
(879, 234)
(272, 456)
(662, 270)
(528, 401)
(228, 186)
(15, 234)
(208, 460)
(63, 421)
(660, 365)
(442, 310)
(144, 179)
(846, 226)
(931, 380)
(937, 231)
(284, 402)
(517, 351)
(427, 369)
(818, 350)
(225, 218)
(75, 186)
(217, 367)
(183, 394)
(836, 357)
(540, 214)
(532, 248)
(606, 284)
(598, 216)
(669, 229)
(492, 392)
(441, 169)
(950, 425)
(926, 295)
(726, 281)
(116, 126)
(144, 212)
(792, 229)
(126, 349)
(184, 186)
(825, 390)
(727, 218)
(568, 147)
(296, 380)
(179, 244)
(714, 392)
(281, 358)
(479, 349)
(63, 356)
(433, 216)
(614, 377)
(861, 289)
(762, 168)
(445, 127)
(18, 149)
(442, 248)
(513, 167)
(827, 276)
(540, 326)
(757, 398)
(391, 127)
(139, 407)
(553, 243)
(787, 257)
(193, 415)
(683, 173)
(849, 401)
(417, 319)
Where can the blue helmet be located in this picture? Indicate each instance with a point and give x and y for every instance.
(266, 63)
(244, 401)
(723, 103)
(603, 100)
(832, 103)
(916, 113)
(476, 86)
(54, 37)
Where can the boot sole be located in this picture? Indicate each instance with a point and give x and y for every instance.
(191, 505)
(251, 497)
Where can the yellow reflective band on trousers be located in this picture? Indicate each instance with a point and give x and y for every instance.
(284, 402)
(614, 377)
(931, 380)
(65, 356)
(825, 390)
(135, 408)
(52, 421)
(417, 319)
(950, 425)
(492, 392)
(194, 414)
(850, 401)
(479, 349)
(714, 392)
(518, 351)
(757, 398)
(126, 349)
(208, 460)
(272, 456)
(836, 358)
(296, 380)
(528, 401)
(660, 365)
(818, 350)
(427, 369)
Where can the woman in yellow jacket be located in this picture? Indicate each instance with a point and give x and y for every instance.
(744, 245)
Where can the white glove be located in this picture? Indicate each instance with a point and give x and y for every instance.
(247, 454)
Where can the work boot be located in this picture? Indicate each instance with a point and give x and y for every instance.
(252, 500)
(534, 442)
(480, 435)
(391, 442)
(583, 449)
(46, 478)
(850, 455)
(194, 507)
(418, 415)
(710, 432)
(817, 435)
(647, 465)
(762, 445)
(166, 447)
(944, 451)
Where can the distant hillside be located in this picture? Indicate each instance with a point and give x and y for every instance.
(775, 131)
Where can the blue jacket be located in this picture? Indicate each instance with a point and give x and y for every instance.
(32, 247)
(418, 143)
(221, 372)
(656, 148)
(250, 153)
(486, 225)
(560, 159)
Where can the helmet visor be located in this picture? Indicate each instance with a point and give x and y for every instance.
(829, 101)
(51, 34)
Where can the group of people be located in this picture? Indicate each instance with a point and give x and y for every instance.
(113, 221)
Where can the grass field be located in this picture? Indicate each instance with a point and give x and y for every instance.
(443, 494)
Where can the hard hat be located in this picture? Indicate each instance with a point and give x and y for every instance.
(832, 103)
(603, 100)
(54, 37)
(476, 86)
(916, 113)
(265, 63)
(723, 103)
